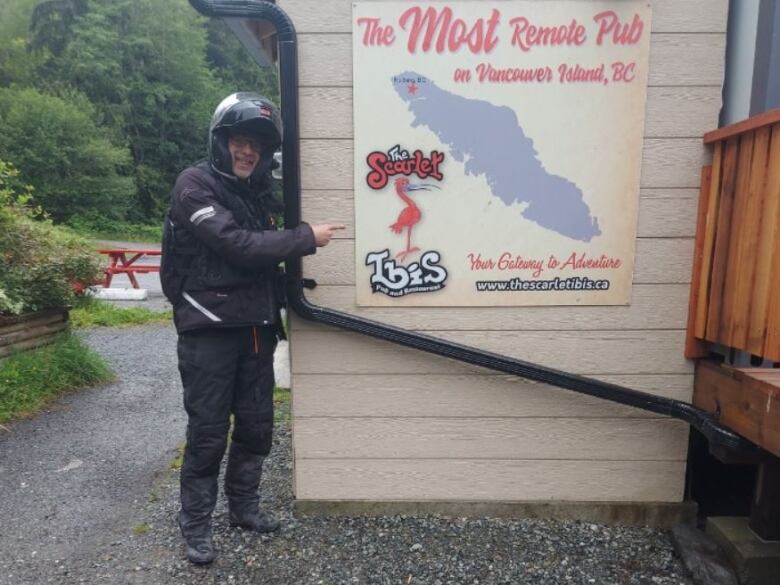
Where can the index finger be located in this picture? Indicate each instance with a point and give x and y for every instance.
(338, 226)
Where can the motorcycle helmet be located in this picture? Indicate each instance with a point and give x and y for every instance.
(249, 114)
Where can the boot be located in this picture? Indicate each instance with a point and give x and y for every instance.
(198, 497)
(256, 520)
(200, 546)
(242, 480)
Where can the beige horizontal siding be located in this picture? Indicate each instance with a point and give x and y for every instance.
(498, 480)
(653, 306)
(675, 59)
(468, 396)
(672, 112)
(666, 162)
(374, 421)
(658, 261)
(672, 216)
(641, 439)
(581, 352)
(669, 16)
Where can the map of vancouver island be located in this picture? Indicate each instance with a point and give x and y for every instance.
(492, 143)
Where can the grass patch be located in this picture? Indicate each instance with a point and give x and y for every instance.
(92, 312)
(29, 380)
(142, 528)
(282, 405)
(175, 465)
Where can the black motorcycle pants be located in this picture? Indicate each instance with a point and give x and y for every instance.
(225, 371)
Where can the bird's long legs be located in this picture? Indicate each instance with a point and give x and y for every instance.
(404, 253)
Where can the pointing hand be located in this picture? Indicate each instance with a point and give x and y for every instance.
(323, 232)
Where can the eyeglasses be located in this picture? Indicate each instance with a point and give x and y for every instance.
(244, 141)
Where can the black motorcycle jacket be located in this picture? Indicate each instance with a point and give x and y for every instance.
(221, 253)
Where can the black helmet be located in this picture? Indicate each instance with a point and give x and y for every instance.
(245, 113)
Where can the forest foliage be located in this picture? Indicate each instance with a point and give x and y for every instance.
(104, 102)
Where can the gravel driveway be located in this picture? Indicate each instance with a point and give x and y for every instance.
(88, 495)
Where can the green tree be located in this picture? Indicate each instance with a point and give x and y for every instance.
(15, 18)
(52, 21)
(18, 64)
(61, 150)
(142, 62)
(154, 70)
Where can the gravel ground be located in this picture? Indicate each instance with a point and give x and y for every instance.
(111, 519)
(401, 550)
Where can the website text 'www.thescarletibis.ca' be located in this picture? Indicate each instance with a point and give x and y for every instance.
(575, 283)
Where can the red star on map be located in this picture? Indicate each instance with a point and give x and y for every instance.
(411, 88)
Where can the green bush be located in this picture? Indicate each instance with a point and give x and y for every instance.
(39, 264)
(58, 145)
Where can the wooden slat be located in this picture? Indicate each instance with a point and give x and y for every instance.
(12, 339)
(745, 403)
(672, 112)
(765, 248)
(673, 162)
(658, 261)
(772, 341)
(736, 236)
(749, 237)
(766, 119)
(662, 213)
(491, 438)
(583, 352)
(9, 326)
(695, 348)
(669, 16)
(721, 245)
(765, 374)
(427, 480)
(27, 344)
(653, 306)
(708, 243)
(468, 396)
(6, 320)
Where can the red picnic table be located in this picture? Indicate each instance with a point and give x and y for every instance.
(123, 261)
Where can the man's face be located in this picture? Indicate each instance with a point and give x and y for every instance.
(245, 154)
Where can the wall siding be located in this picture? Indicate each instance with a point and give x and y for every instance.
(373, 421)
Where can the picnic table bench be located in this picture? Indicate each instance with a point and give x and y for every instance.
(124, 261)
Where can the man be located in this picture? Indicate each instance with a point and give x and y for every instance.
(219, 269)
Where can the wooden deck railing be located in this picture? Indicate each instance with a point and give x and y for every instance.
(735, 292)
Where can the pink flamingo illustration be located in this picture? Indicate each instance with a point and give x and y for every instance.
(409, 216)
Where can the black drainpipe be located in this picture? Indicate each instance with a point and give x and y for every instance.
(288, 74)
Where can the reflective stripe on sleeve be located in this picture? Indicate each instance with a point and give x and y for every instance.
(202, 214)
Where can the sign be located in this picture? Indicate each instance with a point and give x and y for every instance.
(497, 151)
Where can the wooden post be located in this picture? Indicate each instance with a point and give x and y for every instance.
(696, 347)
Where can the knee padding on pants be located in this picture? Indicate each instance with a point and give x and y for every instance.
(205, 448)
(256, 437)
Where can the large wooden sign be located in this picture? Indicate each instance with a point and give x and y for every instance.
(497, 151)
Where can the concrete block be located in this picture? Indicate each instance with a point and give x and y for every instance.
(757, 562)
(122, 294)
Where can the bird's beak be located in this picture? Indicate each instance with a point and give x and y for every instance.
(421, 187)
